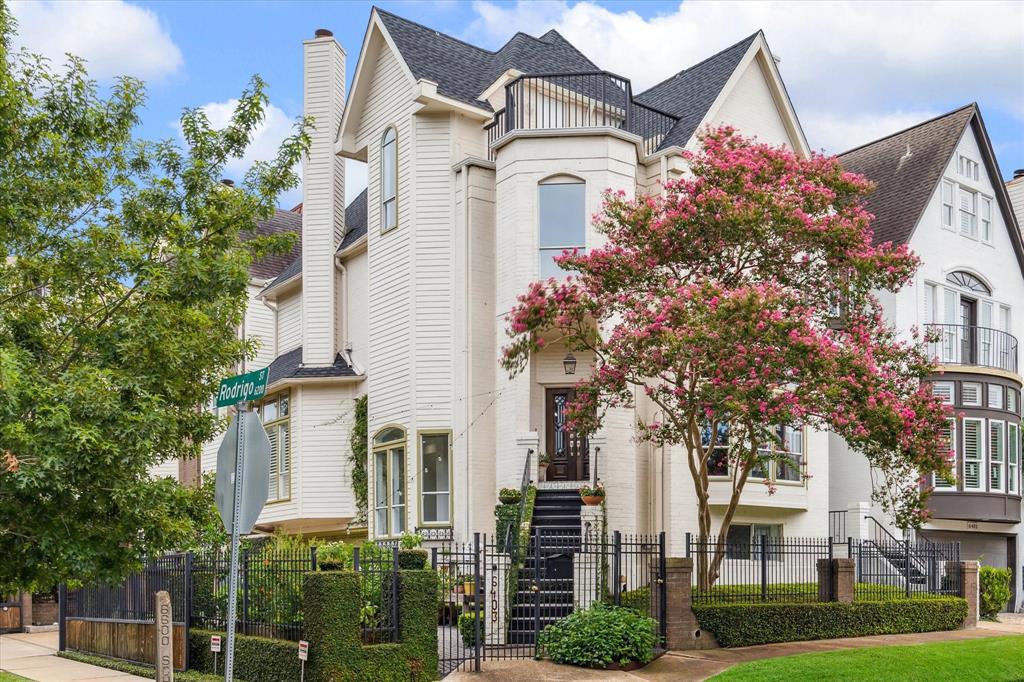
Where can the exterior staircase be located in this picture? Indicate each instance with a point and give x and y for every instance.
(556, 526)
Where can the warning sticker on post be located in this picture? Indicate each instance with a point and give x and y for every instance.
(215, 643)
(303, 650)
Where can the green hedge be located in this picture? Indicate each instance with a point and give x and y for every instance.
(749, 624)
(994, 590)
(256, 658)
(332, 629)
(146, 671)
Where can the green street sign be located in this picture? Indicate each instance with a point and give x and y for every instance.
(242, 388)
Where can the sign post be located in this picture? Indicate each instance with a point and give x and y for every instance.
(243, 480)
(215, 648)
(164, 638)
(303, 656)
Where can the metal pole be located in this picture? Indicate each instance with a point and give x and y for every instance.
(188, 607)
(236, 512)
(617, 569)
(245, 591)
(62, 616)
(906, 566)
(536, 592)
(476, 602)
(764, 568)
(662, 593)
(394, 592)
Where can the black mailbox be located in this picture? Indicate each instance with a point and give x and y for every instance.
(558, 567)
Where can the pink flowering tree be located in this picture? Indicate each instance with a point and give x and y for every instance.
(743, 299)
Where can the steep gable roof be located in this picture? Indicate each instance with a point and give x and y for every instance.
(904, 183)
(463, 71)
(690, 93)
(281, 221)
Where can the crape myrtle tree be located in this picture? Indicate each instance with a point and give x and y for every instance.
(123, 279)
(740, 300)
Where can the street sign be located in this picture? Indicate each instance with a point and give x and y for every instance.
(215, 643)
(255, 473)
(243, 388)
(303, 650)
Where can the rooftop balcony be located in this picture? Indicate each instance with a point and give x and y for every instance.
(598, 99)
(961, 344)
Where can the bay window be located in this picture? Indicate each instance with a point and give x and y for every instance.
(389, 481)
(435, 478)
(996, 455)
(949, 438)
(974, 449)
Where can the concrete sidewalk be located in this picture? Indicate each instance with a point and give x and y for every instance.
(694, 666)
(33, 656)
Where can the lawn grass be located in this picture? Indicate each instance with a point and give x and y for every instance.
(979, 660)
(11, 677)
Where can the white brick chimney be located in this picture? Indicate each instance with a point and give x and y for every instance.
(323, 196)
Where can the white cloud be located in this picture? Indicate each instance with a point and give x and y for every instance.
(115, 37)
(846, 62)
(266, 140)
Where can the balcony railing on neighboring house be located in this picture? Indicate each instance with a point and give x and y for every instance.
(598, 99)
(960, 344)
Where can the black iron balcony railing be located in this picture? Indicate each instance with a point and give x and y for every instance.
(961, 344)
(596, 99)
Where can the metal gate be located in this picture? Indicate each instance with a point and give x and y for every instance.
(496, 597)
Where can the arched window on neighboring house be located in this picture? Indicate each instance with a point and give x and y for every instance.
(562, 219)
(389, 498)
(389, 180)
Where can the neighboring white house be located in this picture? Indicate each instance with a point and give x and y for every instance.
(939, 190)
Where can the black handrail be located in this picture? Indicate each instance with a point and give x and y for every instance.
(512, 532)
(968, 344)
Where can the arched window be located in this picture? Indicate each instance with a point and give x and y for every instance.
(389, 180)
(389, 481)
(968, 281)
(562, 221)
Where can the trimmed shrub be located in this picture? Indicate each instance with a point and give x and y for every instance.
(505, 516)
(639, 600)
(994, 590)
(139, 669)
(412, 559)
(765, 623)
(256, 658)
(467, 627)
(510, 495)
(600, 636)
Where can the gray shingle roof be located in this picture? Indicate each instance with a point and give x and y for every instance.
(904, 184)
(281, 221)
(355, 227)
(691, 92)
(463, 71)
(289, 366)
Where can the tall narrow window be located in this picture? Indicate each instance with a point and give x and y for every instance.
(949, 438)
(791, 440)
(389, 180)
(996, 455)
(275, 413)
(968, 213)
(974, 448)
(986, 219)
(1012, 458)
(948, 208)
(562, 217)
(435, 483)
(389, 481)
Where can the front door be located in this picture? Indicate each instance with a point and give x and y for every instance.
(968, 328)
(568, 450)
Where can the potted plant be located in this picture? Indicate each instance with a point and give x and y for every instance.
(592, 495)
(410, 555)
(467, 584)
(332, 556)
(542, 466)
(509, 495)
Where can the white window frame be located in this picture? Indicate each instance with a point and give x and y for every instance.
(971, 211)
(939, 482)
(948, 205)
(967, 167)
(946, 390)
(979, 459)
(997, 455)
(985, 221)
(424, 493)
(1013, 455)
(395, 515)
(277, 424)
(546, 253)
(964, 393)
(389, 166)
(996, 397)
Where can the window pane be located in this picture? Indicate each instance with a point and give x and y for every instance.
(274, 463)
(397, 490)
(390, 214)
(973, 449)
(389, 179)
(389, 434)
(949, 438)
(269, 410)
(380, 485)
(737, 542)
(435, 463)
(285, 458)
(562, 215)
(284, 405)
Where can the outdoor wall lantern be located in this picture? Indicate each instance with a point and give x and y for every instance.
(569, 363)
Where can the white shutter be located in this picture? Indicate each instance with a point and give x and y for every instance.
(973, 448)
(1012, 457)
(929, 303)
(274, 493)
(949, 437)
(945, 390)
(970, 394)
(996, 454)
(995, 396)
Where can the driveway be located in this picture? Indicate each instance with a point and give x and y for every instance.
(694, 666)
(33, 656)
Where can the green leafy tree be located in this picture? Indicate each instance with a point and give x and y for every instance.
(122, 285)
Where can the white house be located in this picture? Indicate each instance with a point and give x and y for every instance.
(939, 190)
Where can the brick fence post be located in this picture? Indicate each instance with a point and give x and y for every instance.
(836, 580)
(682, 630)
(968, 573)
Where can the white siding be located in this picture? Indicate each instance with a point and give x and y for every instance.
(259, 325)
(325, 475)
(751, 108)
(289, 322)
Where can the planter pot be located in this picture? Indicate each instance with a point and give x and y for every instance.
(509, 500)
(542, 472)
(592, 500)
(467, 588)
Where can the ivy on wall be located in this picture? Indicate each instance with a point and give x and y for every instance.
(357, 458)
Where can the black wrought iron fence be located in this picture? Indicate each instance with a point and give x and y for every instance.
(760, 569)
(894, 569)
(378, 592)
(132, 600)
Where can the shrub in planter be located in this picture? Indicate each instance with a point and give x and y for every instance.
(592, 494)
(333, 556)
(600, 636)
(509, 496)
(994, 590)
(467, 626)
(410, 540)
(413, 559)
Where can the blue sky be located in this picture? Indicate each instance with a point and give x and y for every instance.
(855, 71)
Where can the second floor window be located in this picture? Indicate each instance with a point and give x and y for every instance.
(275, 411)
(967, 167)
(562, 222)
(948, 209)
(389, 180)
(968, 213)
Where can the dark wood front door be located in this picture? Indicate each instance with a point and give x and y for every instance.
(969, 321)
(568, 450)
